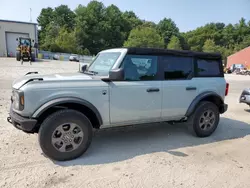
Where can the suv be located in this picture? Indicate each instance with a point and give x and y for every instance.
(123, 86)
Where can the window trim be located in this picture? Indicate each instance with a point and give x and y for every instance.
(178, 56)
(157, 76)
(207, 76)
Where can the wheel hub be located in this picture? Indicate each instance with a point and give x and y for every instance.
(68, 137)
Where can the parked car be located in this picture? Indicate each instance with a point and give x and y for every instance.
(74, 58)
(173, 86)
(245, 96)
(56, 57)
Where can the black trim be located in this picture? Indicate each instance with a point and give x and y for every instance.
(59, 101)
(157, 51)
(197, 99)
(22, 123)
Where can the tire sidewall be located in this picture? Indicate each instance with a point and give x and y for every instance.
(199, 111)
(52, 122)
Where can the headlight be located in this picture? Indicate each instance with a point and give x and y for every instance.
(18, 100)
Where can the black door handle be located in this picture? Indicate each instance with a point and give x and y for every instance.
(153, 90)
(190, 88)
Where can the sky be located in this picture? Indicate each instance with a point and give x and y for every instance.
(187, 14)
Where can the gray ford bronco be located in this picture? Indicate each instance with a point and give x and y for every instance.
(122, 86)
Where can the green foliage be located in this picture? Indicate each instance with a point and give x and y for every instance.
(167, 28)
(210, 46)
(174, 43)
(89, 29)
(143, 36)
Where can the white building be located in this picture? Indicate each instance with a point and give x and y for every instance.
(10, 31)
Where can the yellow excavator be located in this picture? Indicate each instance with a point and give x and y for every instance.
(25, 51)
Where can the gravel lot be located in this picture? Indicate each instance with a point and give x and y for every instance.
(145, 156)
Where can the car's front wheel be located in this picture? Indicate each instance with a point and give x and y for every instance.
(65, 135)
(205, 119)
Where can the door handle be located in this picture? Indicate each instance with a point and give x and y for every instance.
(153, 90)
(190, 88)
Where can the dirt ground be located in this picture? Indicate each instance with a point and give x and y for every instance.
(145, 156)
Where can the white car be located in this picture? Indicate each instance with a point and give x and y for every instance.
(74, 58)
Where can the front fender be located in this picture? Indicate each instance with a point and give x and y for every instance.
(64, 100)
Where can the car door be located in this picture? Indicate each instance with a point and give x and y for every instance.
(178, 86)
(136, 99)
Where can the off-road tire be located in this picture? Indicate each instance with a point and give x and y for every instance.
(18, 56)
(52, 122)
(194, 119)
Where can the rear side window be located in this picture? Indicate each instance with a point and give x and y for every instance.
(208, 68)
(176, 67)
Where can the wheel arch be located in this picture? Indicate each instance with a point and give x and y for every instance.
(78, 104)
(206, 96)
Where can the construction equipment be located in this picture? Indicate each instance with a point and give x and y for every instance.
(25, 51)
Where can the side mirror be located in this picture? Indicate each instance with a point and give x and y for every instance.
(33, 40)
(115, 75)
(84, 67)
(16, 39)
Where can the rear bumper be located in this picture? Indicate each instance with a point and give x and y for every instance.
(223, 108)
(22, 123)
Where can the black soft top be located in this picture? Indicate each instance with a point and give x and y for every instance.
(159, 51)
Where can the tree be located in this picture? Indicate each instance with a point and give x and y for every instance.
(64, 17)
(167, 28)
(174, 43)
(210, 46)
(45, 17)
(144, 37)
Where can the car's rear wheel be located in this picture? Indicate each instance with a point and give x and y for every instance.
(65, 135)
(205, 119)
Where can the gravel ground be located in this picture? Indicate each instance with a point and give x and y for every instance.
(145, 156)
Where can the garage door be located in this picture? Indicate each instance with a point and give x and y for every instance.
(12, 43)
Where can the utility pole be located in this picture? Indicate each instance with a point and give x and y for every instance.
(30, 15)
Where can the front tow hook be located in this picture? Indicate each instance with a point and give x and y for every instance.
(9, 120)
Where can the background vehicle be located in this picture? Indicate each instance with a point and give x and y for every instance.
(74, 58)
(120, 87)
(25, 50)
(245, 97)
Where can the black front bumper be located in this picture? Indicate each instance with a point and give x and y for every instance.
(245, 97)
(223, 108)
(22, 123)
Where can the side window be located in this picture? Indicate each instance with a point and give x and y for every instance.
(207, 67)
(176, 67)
(140, 67)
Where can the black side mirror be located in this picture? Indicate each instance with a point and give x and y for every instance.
(16, 39)
(115, 75)
(84, 67)
(33, 40)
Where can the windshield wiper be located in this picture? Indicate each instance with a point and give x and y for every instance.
(90, 72)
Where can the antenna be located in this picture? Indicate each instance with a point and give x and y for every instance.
(30, 15)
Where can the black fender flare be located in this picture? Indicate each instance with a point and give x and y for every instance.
(199, 98)
(63, 100)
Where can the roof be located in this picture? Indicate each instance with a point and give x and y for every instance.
(242, 50)
(159, 51)
(12, 21)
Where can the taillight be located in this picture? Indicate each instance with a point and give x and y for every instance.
(227, 88)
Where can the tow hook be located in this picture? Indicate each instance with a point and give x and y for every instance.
(9, 120)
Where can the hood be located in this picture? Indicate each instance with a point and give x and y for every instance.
(30, 77)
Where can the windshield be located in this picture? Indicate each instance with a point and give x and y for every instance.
(103, 63)
(25, 42)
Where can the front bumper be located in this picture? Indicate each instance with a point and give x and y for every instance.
(22, 123)
(245, 97)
